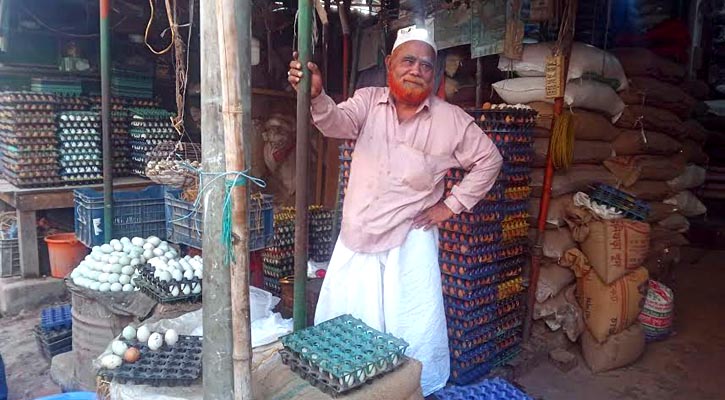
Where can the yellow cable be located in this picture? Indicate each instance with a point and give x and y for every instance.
(561, 145)
(148, 27)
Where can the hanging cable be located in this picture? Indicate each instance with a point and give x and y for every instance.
(170, 18)
(561, 145)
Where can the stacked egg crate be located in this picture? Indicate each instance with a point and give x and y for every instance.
(28, 143)
(320, 233)
(483, 254)
(346, 151)
(279, 259)
(80, 153)
(149, 127)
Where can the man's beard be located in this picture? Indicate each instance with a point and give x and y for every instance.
(412, 95)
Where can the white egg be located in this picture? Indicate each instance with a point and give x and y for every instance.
(111, 361)
(177, 275)
(95, 249)
(164, 276)
(158, 252)
(189, 274)
(127, 287)
(107, 249)
(170, 255)
(199, 274)
(186, 290)
(77, 280)
(125, 240)
(154, 240)
(128, 270)
(113, 278)
(175, 291)
(148, 246)
(148, 254)
(143, 333)
(104, 287)
(116, 268)
(118, 347)
(171, 337)
(196, 289)
(106, 268)
(163, 259)
(134, 262)
(155, 341)
(118, 246)
(113, 259)
(116, 287)
(103, 277)
(96, 286)
(137, 241)
(124, 260)
(129, 333)
(185, 264)
(124, 279)
(114, 242)
(97, 256)
(88, 258)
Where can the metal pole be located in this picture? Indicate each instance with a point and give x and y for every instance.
(105, 6)
(218, 379)
(235, 34)
(304, 47)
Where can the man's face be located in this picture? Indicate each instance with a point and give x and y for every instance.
(411, 72)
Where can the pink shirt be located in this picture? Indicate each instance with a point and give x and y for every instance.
(397, 169)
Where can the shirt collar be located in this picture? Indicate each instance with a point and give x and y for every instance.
(384, 98)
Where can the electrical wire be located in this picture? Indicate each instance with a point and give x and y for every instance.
(561, 145)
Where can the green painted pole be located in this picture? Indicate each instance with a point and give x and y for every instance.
(304, 47)
(105, 6)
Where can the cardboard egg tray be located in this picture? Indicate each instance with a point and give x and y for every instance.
(179, 365)
(161, 291)
(342, 353)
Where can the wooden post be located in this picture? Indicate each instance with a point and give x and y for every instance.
(235, 33)
(216, 291)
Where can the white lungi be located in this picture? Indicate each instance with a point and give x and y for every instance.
(398, 292)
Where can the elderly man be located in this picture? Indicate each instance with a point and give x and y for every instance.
(384, 269)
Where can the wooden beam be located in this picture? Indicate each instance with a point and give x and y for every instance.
(28, 244)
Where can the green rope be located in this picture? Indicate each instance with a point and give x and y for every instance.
(227, 216)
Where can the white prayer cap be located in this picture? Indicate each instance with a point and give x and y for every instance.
(413, 33)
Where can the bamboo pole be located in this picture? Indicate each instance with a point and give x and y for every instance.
(235, 33)
(105, 7)
(304, 47)
(218, 379)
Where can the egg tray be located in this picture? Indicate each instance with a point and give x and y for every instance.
(482, 270)
(342, 353)
(24, 169)
(56, 317)
(149, 113)
(490, 389)
(29, 142)
(180, 365)
(486, 295)
(482, 254)
(84, 179)
(24, 107)
(27, 161)
(31, 173)
(85, 170)
(278, 272)
(486, 314)
(51, 345)
(161, 291)
(630, 205)
(499, 112)
(488, 351)
(273, 286)
(79, 163)
(461, 243)
(478, 371)
(79, 116)
(467, 338)
(494, 273)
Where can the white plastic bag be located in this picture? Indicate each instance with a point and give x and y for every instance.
(584, 59)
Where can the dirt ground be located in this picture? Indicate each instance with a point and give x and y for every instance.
(689, 365)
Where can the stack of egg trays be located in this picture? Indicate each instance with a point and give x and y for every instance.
(54, 332)
(27, 139)
(320, 233)
(346, 152)
(178, 365)
(80, 154)
(494, 342)
(278, 259)
(341, 354)
(490, 389)
(149, 127)
(161, 291)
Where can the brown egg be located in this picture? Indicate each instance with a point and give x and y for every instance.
(131, 355)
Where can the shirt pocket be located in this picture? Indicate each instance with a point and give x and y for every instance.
(411, 168)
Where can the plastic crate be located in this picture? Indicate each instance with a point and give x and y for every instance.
(9, 258)
(184, 225)
(58, 317)
(53, 342)
(135, 213)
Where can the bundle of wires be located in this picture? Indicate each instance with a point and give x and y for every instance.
(561, 145)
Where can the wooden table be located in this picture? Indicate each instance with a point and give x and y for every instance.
(27, 201)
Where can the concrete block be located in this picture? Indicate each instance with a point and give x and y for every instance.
(17, 294)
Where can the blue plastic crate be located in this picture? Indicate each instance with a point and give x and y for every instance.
(135, 213)
(58, 317)
(184, 225)
(489, 389)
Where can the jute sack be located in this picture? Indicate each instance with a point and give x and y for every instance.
(608, 309)
(650, 190)
(652, 119)
(692, 152)
(655, 93)
(637, 61)
(557, 210)
(695, 131)
(635, 142)
(619, 350)
(587, 125)
(630, 169)
(664, 237)
(687, 203)
(585, 151)
(675, 222)
(572, 180)
(555, 242)
(552, 279)
(616, 247)
(659, 211)
(562, 312)
(692, 177)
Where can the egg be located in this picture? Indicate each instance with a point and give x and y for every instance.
(127, 270)
(111, 361)
(148, 246)
(199, 273)
(106, 268)
(95, 285)
(154, 240)
(186, 290)
(116, 268)
(158, 252)
(196, 289)
(155, 341)
(137, 241)
(113, 259)
(113, 278)
(170, 255)
(103, 277)
(164, 276)
(118, 347)
(143, 333)
(124, 279)
(175, 291)
(118, 246)
(189, 274)
(116, 287)
(171, 337)
(148, 254)
(105, 257)
(107, 249)
(124, 260)
(127, 288)
(125, 240)
(177, 275)
(104, 287)
(131, 355)
(129, 333)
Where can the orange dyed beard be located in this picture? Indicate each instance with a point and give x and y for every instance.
(410, 94)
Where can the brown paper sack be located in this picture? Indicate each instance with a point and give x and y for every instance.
(616, 247)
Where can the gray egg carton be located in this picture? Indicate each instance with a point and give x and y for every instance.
(179, 365)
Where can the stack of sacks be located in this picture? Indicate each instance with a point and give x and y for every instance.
(611, 286)
(659, 151)
(594, 77)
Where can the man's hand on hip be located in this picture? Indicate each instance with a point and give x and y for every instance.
(294, 75)
(432, 216)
